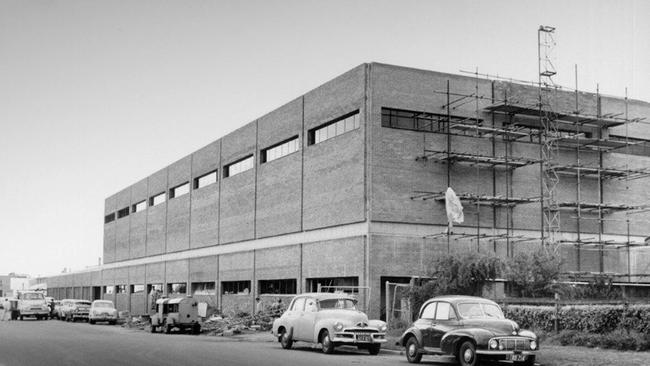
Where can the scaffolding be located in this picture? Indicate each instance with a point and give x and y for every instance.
(511, 118)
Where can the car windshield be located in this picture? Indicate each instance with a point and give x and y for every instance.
(104, 304)
(475, 310)
(33, 297)
(338, 304)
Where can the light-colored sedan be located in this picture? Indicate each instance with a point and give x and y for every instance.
(102, 311)
(331, 319)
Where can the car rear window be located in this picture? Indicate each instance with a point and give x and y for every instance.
(338, 304)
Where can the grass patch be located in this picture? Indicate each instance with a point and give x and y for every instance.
(618, 340)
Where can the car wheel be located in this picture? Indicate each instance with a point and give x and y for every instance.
(374, 349)
(112, 322)
(22, 318)
(413, 355)
(91, 321)
(467, 354)
(326, 341)
(153, 329)
(196, 328)
(168, 329)
(285, 340)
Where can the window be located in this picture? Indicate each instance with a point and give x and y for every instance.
(109, 218)
(277, 286)
(157, 287)
(136, 289)
(205, 179)
(238, 167)
(109, 290)
(120, 289)
(298, 304)
(279, 150)
(334, 128)
(177, 288)
(429, 312)
(203, 288)
(123, 212)
(334, 284)
(139, 206)
(235, 287)
(419, 121)
(179, 190)
(157, 199)
(445, 311)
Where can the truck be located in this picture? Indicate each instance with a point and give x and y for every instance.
(32, 303)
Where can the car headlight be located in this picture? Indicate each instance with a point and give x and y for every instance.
(338, 326)
(533, 345)
(493, 343)
(383, 328)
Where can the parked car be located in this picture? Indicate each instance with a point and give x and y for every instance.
(102, 311)
(469, 328)
(32, 303)
(74, 309)
(331, 319)
(181, 313)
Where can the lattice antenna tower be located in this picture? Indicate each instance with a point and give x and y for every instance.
(549, 135)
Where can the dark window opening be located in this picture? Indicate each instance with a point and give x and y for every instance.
(140, 206)
(332, 284)
(135, 289)
(179, 190)
(203, 288)
(109, 290)
(339, 126)
(177, 288)
(109, 218)
(123, 212)
(157, 199)
(421, 121)
(279, 150)
(120, 289)
(239, 166)
(235, 287)
(284, 287)
(205, 179)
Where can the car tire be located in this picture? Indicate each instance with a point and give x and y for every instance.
(22, 318)
(373, 349)
(112, 322)
(153, 329)
(326, 342)
(413, 355)
(285, 340)
(196, 329)
(168, 329)
(467, 354)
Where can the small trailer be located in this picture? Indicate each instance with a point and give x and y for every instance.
(181, 313)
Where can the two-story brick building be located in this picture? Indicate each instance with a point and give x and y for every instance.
(341, 186)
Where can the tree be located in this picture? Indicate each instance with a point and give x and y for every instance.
(534, 274)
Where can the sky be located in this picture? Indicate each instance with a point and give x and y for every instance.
(98, 94)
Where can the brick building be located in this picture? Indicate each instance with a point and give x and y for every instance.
(342, 186)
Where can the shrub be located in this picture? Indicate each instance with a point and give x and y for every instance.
(534, 274)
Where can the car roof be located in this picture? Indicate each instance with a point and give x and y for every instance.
(327, 295)
(459, 299)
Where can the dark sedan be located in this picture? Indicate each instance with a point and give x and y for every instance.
(468, 328)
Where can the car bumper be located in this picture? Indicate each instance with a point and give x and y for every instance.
(357, 339)
(103, 318)
(34, 312)
(504, 353)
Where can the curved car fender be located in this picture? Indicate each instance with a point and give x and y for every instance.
(376, 323)
(450, 339)
(527, 333)
(323, 324)
(413, 331)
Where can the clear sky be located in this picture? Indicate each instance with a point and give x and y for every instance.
(97, 94)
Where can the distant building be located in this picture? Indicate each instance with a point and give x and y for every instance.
(13, 282)
(344, 186)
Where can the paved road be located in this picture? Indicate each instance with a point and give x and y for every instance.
(53, 343)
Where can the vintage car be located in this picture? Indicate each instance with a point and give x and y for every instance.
(180, 312)
(331, 319)
(102, 311)
(74, 309)
(468, 328)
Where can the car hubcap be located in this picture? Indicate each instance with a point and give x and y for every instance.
(326, 341)
(468, 355)
(411, 350)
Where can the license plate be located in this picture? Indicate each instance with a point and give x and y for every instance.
(518, 358)
(364, 338)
